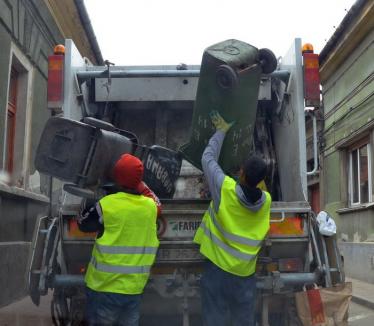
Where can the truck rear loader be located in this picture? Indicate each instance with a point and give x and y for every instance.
(161, 115)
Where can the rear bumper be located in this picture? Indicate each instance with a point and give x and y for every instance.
(68, 281)
(275, 282)
(279, 281)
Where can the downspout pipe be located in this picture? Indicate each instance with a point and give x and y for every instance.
(83, 14)
(315, 147)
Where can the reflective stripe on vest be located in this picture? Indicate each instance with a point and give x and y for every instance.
(230, 236)
(224, 246)
(125, 249)
(119, 269)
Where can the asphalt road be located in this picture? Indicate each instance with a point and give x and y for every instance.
(24, 313)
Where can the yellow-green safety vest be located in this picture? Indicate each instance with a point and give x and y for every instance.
(122, 257)
(232, 237)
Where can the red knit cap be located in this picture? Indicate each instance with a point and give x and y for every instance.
(128, 171)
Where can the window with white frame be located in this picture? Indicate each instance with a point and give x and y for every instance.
(360, 184)
(18, 119)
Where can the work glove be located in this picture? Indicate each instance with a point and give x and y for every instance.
(219, 122)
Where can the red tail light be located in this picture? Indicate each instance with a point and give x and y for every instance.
(55, 92)
(290, 265)
(311, 80)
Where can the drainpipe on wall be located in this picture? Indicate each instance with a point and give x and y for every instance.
(315, 148)
(83, 14)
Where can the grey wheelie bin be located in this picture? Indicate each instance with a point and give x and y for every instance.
(84, 154)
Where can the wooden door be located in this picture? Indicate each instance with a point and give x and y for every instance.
(11, 116)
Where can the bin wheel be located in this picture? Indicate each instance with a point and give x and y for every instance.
(268, 60)
(80, 192)
(99, 123)
(226, 77)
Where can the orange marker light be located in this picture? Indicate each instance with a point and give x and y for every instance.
(307, 48)
(59, 49)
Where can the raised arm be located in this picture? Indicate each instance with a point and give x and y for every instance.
(209, 161)
(144, 190)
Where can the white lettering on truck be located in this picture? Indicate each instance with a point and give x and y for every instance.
(159, 172)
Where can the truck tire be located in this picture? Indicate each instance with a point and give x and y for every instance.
(59, 309)
(292, 318)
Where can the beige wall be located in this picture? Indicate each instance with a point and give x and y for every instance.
(66, 16)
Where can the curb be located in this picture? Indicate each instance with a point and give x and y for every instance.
(363, 301)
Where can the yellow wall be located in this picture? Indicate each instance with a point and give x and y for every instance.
(67, 18)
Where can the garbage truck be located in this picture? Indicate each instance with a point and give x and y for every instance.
(161, 115)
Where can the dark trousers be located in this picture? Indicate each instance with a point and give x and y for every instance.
(112, 309)
(227, 299)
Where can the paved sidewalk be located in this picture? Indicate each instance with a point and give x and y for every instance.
(363, 293)
(25, 313)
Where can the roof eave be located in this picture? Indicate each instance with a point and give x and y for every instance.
(358, 22)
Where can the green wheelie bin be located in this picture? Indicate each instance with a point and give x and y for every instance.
(229, 82)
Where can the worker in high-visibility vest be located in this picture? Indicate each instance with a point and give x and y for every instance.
(125, 247)
(230, 235)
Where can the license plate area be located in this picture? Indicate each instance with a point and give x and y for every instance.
(178, 254)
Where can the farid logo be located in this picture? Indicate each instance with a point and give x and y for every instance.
(179, 226)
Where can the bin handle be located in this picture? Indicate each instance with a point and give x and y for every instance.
(249, 68)
(279, 220)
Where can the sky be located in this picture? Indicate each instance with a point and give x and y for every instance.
(150, 32)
